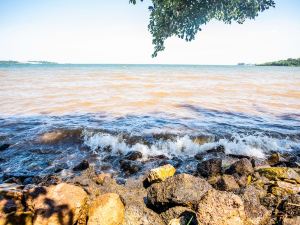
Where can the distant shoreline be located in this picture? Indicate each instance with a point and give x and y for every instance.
(288, 62)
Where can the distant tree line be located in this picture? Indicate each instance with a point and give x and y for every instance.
(287, 62)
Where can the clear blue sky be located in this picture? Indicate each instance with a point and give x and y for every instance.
(101, 31)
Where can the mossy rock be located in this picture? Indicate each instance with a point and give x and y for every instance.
(275, 173)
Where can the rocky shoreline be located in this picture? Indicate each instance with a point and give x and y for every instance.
(239, 191)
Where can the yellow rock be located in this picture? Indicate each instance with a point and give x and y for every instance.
(174, 222)
(275, 173)
(107, 209)
(161, 173)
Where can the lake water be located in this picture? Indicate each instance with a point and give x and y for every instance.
(57, 115)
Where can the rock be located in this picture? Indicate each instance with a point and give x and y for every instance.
(275, 173)
(82, 166)
(291, 221)
(274, 159)
(130, 167)
(59, 204)
(133, 155)
(209, 168)
(174, 222)
(200, 140)
(241, 167)
(292, 206)
(282, 188)
(182, 189)
(4, 147)
(256, 213)
(183, 215)
(218, 207)
(102, 177)
(270, 201)
(242, 181)
(12, 210)
(160, 174)
(107, 209)
(227, 183)
(136, 212)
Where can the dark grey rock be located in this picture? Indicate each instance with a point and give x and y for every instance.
(82, 166)
(182, 189)
(241, 167)
(211, 167)
(133, 155)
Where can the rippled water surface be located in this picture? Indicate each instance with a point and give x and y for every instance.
(56, 115)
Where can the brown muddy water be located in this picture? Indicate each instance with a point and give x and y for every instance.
(54, 116)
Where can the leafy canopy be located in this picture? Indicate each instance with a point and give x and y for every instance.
(184, 18)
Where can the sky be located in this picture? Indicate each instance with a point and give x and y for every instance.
(101, 31)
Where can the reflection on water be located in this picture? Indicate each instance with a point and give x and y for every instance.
(54, 116)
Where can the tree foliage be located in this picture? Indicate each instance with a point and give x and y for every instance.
(184, 18)
(287, 62)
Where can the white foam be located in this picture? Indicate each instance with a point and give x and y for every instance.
(249, 145)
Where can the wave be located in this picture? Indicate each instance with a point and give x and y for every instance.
(187, 146)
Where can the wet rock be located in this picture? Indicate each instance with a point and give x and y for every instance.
(182, 215)
(292, 206)
(291, 221)
(133, 155)
(275, 158)
(218, 207)
(82, 166)
(159, 174)
(13, 180)
(211, 167)
(102, 177)
(59, 204)
(4, 147)
(107, 209)
(130, 167)
(275, 173)
(256, 213)
(48, 180)
(182, 189)
(227, 183)
(241, 167)
(200, 140)
(199, 156)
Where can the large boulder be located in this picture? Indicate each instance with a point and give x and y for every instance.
(218, 207)
(275, 173)
(182, 189)
(209, 168)
(241, 167)
(107, 209)
(160, 174)
(59, 204)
